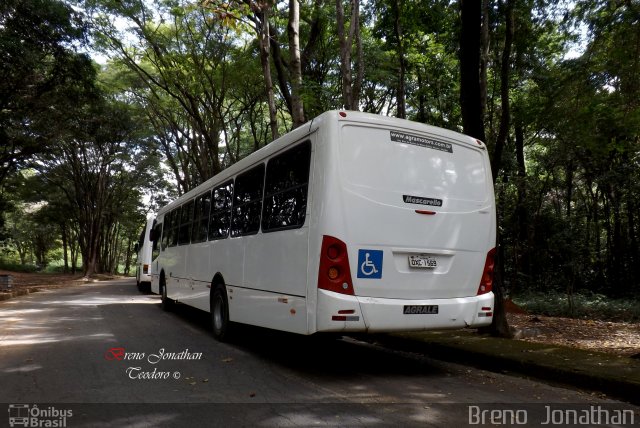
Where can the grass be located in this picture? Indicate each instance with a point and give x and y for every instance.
(586, 305)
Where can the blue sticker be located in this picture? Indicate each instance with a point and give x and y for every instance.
(370, 264)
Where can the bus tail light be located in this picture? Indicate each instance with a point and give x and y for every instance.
(145, 269)
(486, 282)
(334, 274)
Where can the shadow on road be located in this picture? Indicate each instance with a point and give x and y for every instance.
(325, 354)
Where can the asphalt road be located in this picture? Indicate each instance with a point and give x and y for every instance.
(102, 354)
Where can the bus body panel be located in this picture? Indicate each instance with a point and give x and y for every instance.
(267, 309)
(197, 279)
(277, 261)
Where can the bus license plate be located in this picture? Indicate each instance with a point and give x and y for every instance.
(422, 262)
(420, 310)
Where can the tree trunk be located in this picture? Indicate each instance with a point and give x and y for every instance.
(349, 95)
(470, 95)
(65, 240)
(521, 208)
(295, 65)
(396, 8)
(355, 34)
(484, 57)
(263, 35)
(473, 125)
(505, 117)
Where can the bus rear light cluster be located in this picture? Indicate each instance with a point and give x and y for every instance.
(334, 274)
(486, 312)
(486, 282)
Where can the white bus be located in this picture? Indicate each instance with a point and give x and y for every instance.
(143, 260)
(352, 222)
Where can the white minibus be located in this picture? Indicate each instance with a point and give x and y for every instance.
(353, 222)
(143, 261)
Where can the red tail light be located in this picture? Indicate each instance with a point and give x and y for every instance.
(334, 274)
(486, 282)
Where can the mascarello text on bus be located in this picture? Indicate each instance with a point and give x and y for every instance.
(352, 222)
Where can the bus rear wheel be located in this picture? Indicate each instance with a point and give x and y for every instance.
(220, 314)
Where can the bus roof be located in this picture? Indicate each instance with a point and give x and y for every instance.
(311, 126)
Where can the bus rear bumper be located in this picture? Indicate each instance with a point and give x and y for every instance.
(337, 312)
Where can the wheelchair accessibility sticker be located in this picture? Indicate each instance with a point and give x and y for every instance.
(370, 264)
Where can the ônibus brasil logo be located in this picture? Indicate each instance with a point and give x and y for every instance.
(31, 415)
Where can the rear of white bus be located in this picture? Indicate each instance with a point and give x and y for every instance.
(408, 228)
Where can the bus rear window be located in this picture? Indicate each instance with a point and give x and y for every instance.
(379, 167)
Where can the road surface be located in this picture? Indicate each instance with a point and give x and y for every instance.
(102, 354)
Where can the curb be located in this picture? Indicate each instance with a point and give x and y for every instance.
(23, 291)
(624, 384)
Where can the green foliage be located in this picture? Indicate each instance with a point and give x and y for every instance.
(18, 267)
(42, 77)
(587, 305)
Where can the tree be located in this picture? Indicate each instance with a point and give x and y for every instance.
(41, 75)
(470, 91)
(98, 168)
(297, 106)
(350, 84)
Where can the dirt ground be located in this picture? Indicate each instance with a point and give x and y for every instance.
(35, 281)
(604, 336)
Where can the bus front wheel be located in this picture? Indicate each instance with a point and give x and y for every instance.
(220, 314)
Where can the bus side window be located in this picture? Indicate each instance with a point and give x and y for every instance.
(247, 202)
(287, 182)
(201, 218)
(221, 211)
(175, 224)
(155, 249)
(186, 220)
(166, 230)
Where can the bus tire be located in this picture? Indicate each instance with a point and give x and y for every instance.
(167, 303)
(220, 323)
